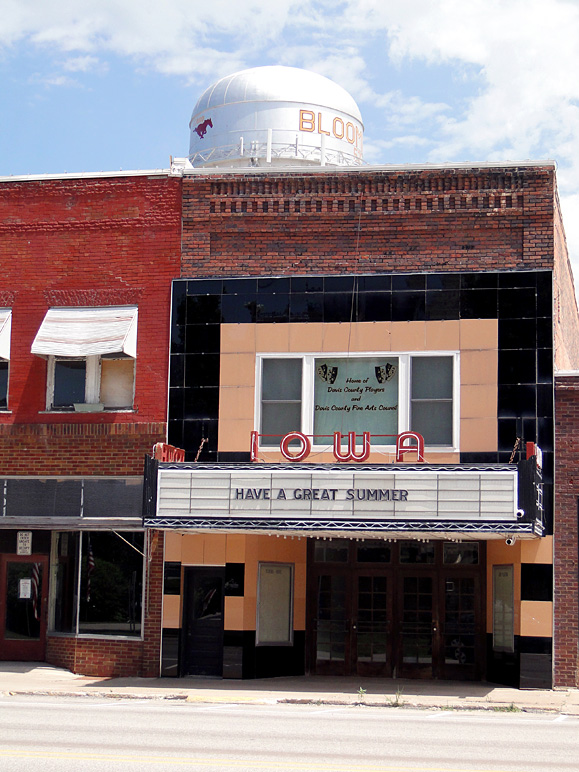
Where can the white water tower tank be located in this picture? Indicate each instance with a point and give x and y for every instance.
(275, 116)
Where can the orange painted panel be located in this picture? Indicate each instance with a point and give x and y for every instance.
(478, 401)
(371, 336)
(171, 611)
(192, 549)
(408, 336)
(237, 369)
(336, 337)
(237, 338)
(235, 547)
(443, 335)
(537, 618)
(539, 550)
(478, 367)
(306, 337)
(478, 434)
(214, 549)
(236, 402)
(479, 334)
(233, 614)
(272, 337)
(235, 435)
(173, 546)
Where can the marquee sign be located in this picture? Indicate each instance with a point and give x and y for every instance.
(190, 494)
(406, 442)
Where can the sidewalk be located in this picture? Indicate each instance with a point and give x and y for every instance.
(38, 678)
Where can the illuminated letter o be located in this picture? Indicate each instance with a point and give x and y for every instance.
(338, 121)
(304, 452)
(350, 133)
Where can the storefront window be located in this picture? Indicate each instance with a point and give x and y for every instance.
(106, 598)
(65, 581)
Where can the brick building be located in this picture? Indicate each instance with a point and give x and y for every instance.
(290, 301)
(86, 269)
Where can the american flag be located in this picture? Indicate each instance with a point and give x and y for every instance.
(89, 569)
(36, 590)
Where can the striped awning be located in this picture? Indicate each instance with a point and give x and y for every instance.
(5, 329)
(79, 332)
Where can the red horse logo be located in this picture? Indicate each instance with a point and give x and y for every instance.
(201, 129)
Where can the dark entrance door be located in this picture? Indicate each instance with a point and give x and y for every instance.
(417, 626)
(203, 622)
(23, 607)
(409, 609)
(440, 625)
(353, 623)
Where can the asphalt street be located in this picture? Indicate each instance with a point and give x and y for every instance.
(96, 734)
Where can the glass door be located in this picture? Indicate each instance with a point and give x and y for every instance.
(352, 625)
(418, 625)
(460, 629)
(23, 599)
(331, 624)
(372, 627)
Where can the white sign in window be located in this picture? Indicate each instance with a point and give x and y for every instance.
(25, 589)
(503, 609)
(356, 395)
(24, 543)
(275, 605)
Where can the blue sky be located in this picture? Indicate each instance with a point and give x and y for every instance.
(110, 84)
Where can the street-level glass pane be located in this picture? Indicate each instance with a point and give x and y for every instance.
(23, 601)
(111, 583)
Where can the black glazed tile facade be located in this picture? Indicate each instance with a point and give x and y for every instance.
(521, 301)
(536, 581)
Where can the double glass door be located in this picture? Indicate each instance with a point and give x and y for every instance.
(353, 624)
(394, 619)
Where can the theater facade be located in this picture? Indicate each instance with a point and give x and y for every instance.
(362, 377)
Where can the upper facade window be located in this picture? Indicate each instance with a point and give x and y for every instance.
(91, 357)
(381, 394)
(5, 334)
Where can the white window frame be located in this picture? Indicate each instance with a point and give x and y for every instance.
(404, 390)
(92, 385)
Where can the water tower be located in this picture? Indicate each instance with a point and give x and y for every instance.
(275, 116)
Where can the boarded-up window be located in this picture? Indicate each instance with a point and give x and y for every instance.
(117, 382)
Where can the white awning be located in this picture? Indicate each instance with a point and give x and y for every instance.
(80, 332)
(5, 329)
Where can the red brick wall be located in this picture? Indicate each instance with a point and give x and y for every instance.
(565, 317)
(99, 241)
(429, 220)
(566, 598)
(77, 449)
(109, 658)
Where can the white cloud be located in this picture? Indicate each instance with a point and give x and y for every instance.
(82, 64)
(516, 61)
